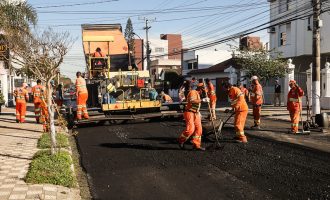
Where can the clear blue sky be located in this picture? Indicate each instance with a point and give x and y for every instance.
(199, 21)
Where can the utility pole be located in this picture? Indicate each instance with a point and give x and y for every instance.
(317, 24)
(147, 43)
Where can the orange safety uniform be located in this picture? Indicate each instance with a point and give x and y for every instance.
(213, 98)
(256, 100)
(22, 96)
(294, 106)
(82, 96)
(44, 117)
(245, 92)
(193, 121)
(36, 92)
(167, 98)
(240, 107)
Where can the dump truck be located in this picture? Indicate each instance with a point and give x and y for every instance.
(116, 87)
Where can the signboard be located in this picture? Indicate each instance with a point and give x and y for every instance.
(4, 51)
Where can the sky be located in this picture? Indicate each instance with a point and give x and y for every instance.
(200, 22)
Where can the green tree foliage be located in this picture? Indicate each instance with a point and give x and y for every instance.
(16, 17)
(129, 35)
(258, 63)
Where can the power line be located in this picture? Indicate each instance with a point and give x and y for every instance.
(75, 4)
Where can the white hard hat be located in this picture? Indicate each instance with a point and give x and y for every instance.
(254, 78)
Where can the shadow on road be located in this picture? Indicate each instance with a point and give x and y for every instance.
(135, 146)
(163, 140)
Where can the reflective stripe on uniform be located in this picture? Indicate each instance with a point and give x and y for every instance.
(295, 100)
(293, 124)
(240, 133)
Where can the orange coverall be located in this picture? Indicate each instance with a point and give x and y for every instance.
(213, 98)
(44, 117)
(294, 106)
(240, 107)
(257, 100)
(22, 96)
(167, 98)
(36, 92)
(82, 96)
(193, 121)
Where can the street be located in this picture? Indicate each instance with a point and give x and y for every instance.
(142, 161)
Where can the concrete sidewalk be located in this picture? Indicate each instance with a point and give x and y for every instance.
(18, 144)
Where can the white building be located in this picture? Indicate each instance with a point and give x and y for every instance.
(294, 39)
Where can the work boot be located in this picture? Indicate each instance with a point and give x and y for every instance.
(255, 127)
(181, 145)
(17, 121)
(242, 139)
(198, 148)
(292, 132)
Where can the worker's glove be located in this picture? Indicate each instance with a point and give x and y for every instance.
(206, 99)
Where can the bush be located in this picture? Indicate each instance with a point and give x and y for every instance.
(52, 169)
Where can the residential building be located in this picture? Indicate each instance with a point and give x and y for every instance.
(189, 61)
(294, 39)
(139, 53)
(165, 55)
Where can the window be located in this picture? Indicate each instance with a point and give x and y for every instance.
(282, 38)
(159, 49)
(192, 65)
(284, 5)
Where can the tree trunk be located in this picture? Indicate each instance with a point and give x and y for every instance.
(51, 118)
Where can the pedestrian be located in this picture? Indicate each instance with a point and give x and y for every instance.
(192, 117)
(277, 93)
(240, 108)
(36, 94)
(21, 97)
(256, 101)
(82, 96)
(294, 105)
(193, 83)
(166, 98)
(59, 95)
(213, 98)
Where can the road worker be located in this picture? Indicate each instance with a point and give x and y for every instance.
(44, 115)
(212, 96)
(256, 98)
(98, 53)
(192, 117)
(22, 96)
(166, 98)
(245, 92)
(36, 92)
(240, 107)
(82, 96)
(294, 105)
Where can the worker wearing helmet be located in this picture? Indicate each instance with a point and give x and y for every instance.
(256, 99)
(192, 117)
(294, 105)
(212, 96)
(21, 96)
(238, 103)
(82, 96)
(36, 93)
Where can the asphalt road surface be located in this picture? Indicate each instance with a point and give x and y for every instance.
(143, 161)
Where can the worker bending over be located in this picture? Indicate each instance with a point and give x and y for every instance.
(294, 105)
(256, 98)
(36, 93)
(212, 96)
(22, 96)
(82, 96)
(240, 107)
(192, 117)
(166, 98)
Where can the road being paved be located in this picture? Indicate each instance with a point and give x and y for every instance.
(143, 161)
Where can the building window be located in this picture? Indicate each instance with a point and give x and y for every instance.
(159, 49)
(284, 5)
(282, 38)
(192, 65)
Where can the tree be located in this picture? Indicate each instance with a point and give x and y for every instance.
(42, 54)
(258, 63)
(16, 17)
(129, 36)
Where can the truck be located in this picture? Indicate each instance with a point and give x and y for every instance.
(116, 87)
